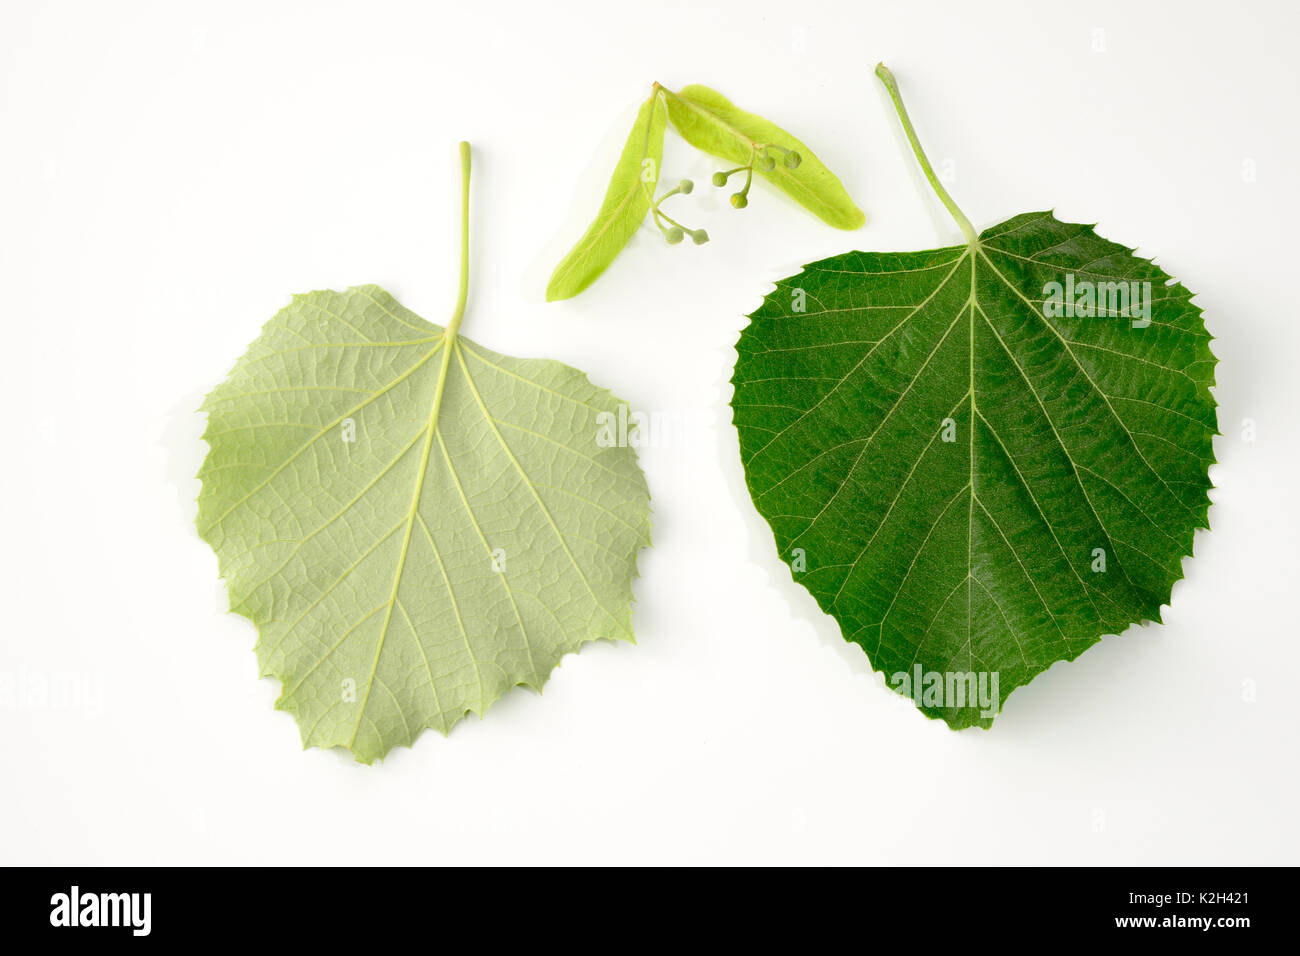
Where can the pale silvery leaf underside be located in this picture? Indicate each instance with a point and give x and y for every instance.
(414, 526)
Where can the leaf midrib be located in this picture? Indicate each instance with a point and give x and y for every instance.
(430, 430)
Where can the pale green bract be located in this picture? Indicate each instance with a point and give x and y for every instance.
(627, 200)
(708, 120)
(415, 523)
(711, 122)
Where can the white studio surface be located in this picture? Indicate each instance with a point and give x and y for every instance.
(170, 174)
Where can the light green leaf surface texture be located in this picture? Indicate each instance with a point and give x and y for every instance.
(415, 523)
(967, 483)
(709, 121)
(627, 200)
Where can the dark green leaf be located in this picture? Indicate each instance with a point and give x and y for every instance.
(945, 466)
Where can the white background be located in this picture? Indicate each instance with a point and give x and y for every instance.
(171, 173)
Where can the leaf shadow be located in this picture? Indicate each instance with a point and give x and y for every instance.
(182, 442)
(760, 542)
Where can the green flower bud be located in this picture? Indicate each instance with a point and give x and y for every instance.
(719, 179)
(699, 237)
(685, 187)
(674, 235)
(767, 162)
(793, 159)
(739, 200)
